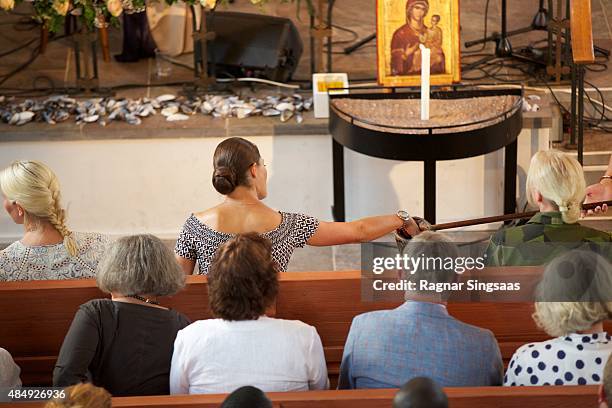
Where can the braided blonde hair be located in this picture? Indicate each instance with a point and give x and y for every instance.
(35, 187)
(560, 179)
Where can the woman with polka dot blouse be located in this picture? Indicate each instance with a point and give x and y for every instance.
(574, 298)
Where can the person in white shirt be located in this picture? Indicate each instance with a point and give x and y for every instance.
(243, 346)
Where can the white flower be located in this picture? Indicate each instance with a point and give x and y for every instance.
(7, 4)
(257, 2)
(61, 6)
(114, 7)
(208, 4)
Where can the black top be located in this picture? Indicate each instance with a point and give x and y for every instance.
(123, 347)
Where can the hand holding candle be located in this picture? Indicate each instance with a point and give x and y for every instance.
(425, 64)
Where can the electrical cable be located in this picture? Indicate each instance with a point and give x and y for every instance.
(484, 35)
(590, 121)
(598, 106)
(355, 37)
(259, 80)
(18, 48)
(246, 79)
(35, 53)
(348, 30)
(516, 72)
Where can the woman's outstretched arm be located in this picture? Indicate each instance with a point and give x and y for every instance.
(363, 230)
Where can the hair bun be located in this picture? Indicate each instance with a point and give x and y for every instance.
(224, 180)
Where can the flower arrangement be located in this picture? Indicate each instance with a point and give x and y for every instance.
(52, 13)
(7, 4)
(96, 13)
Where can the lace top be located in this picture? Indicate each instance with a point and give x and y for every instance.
(47, 262)
(199, 242)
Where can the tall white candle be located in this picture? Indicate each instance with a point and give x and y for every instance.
(425, 58)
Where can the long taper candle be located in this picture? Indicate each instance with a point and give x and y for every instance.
(425, 58)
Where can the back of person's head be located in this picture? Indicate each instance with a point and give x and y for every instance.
(140, 264)
(84, 395)
(242, 278)
(433, 248)
(420, 392)
(605, 391)
(575, 293)
(559, 178)
(232, 159)
(35, 187)
(247, 397)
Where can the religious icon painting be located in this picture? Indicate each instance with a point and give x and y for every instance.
(402, 26)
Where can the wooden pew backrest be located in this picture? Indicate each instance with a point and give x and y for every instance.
(473, 397)
(37, 314)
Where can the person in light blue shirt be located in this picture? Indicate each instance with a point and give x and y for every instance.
(387, 348)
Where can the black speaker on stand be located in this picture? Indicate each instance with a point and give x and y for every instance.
(252, 45)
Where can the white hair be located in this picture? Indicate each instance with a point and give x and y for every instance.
(574, 294)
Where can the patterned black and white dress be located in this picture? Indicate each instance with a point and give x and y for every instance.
(575, 359)
(19, 262)
(199, 242)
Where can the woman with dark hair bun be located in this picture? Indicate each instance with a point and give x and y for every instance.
(240, 174)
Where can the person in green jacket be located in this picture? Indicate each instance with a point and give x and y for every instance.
(556, 185)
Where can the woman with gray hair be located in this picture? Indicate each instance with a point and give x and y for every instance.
(125, 343)
(573, 299)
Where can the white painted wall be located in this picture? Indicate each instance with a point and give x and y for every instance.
(467, 188)
(131, 186)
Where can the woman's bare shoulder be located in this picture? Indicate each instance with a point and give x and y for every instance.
(208, 215)
(236, 219)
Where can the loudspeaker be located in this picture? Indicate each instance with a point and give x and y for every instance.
(253, 45)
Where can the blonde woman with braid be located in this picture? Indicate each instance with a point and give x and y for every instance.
(555, 185)
(48, 249)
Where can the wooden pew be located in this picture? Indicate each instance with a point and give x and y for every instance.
(472, 397)
(35, 318)
(37, 314)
